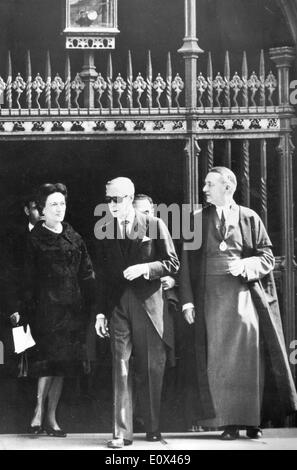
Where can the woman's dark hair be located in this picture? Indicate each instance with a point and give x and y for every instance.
(45, 190)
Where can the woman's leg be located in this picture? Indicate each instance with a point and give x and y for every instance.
(54, 395)
(44, 384)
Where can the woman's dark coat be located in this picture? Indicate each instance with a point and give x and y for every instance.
(58, 275)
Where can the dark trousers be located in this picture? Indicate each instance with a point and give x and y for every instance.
(132, 332)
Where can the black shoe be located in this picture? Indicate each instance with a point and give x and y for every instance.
(153, 436)
(230, 434)
(55, 432)
(254, 433)
(35, 430)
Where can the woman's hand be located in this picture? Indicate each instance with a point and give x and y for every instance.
(15, 318)
(101, 326)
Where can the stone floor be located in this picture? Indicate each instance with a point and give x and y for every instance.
(273, 439)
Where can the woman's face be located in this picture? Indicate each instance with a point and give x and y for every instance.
(54, 210)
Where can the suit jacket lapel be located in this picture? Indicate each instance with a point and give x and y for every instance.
(114, 245)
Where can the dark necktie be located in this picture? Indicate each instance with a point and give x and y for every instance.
(124, 240)
(124, 224)
(223, 225)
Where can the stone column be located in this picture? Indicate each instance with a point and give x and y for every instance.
(285, 151)
(283, 58)
(190, 51)
(191, 190)
(88, 76)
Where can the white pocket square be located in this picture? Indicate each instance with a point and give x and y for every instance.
(146, 239)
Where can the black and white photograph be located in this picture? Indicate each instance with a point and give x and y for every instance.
(148, 236)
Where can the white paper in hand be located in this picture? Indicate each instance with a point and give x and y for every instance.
(22, 339)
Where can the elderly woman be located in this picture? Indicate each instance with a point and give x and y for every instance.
(58, 270)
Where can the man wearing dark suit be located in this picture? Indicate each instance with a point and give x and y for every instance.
(19, 241)
(8, 305)
(130, 265)
(12, 261)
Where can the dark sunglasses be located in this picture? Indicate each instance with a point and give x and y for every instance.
(115, 199)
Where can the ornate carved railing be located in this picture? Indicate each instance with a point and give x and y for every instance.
(101, 102)
(145, 93)
(55, 94)
(231, 92)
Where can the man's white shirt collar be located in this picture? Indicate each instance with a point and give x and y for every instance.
(226, 209)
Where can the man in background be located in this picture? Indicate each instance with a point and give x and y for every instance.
(144, 204)
(176, 380)
(13, 247)
(19, 241)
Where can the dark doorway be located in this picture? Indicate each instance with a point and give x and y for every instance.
(156, 167)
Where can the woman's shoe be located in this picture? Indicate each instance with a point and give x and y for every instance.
(35, 430)
(55, 432)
